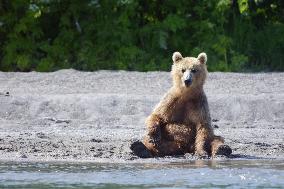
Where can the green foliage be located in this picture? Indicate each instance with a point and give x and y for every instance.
(47, 35)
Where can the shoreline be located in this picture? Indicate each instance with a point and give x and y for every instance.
(152, 161)
(95, 116)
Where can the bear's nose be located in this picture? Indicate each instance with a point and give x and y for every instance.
(188, 82)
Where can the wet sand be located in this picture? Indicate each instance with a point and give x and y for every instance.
(95, 116)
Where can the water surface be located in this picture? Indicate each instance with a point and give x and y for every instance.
(188, 174)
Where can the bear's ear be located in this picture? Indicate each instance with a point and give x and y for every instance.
(202, 57)
(177, 57)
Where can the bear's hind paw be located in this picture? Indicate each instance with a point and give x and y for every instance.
(224, 150)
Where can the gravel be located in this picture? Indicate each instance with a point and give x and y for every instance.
(70, 115)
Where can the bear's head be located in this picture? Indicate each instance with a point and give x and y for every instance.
(189, 72)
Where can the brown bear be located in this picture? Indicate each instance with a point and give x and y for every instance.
(181, 122)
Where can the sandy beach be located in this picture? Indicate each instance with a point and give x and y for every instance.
(96, 116)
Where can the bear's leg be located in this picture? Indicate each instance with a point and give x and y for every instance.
(154, 124)
(203, 135)
(163, 148)
(218, 147)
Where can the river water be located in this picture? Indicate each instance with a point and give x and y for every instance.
(186, 174)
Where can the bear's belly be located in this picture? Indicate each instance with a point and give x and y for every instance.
(180, 133)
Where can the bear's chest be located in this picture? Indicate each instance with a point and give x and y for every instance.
(187, 113)
(192, 113)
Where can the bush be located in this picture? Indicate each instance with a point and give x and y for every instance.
(47, 35)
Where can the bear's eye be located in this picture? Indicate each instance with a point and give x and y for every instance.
(183, 70)
(193, 70)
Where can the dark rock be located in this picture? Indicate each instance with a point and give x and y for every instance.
(98, 154)
(23, 156)
(55, 145)
(41, 135)
(62, 121)
(96, 140)
(215, 126)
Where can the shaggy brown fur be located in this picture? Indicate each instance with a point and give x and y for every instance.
(181, 122)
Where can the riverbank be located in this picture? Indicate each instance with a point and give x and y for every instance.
(95, 116)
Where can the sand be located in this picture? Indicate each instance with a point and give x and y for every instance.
(70, 115)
